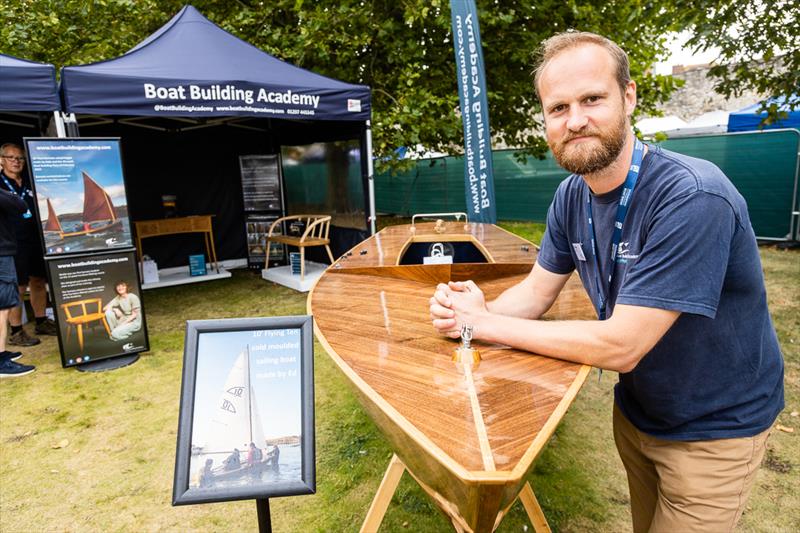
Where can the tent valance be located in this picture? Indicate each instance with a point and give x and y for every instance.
(27, 85)
(191, 67)
(749, 118)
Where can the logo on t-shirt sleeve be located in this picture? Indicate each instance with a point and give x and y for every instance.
(624, 252)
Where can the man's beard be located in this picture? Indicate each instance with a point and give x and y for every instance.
(583, 159)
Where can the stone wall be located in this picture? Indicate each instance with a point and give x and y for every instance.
(697, 96)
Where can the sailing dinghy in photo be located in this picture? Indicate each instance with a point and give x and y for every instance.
(468, 434)
(234, 425)
(98, 214)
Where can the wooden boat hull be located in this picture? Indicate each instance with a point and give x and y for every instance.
(469, 437)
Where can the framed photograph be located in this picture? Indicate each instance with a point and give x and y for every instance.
(80, 194)
(246, 426)
(98, 306)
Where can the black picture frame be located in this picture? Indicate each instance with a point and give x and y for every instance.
(113, 163)
(210, 346)
(93, 276)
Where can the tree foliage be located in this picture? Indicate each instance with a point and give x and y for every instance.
(759, 45)
(402, 49)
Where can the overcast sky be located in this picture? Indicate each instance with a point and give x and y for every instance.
(684, 56)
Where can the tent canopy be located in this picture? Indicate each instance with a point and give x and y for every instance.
(710, 122)
(749, 119)
(191, 67)
(27, 85)
(653, 125)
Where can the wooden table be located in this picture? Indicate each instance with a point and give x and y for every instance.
(172, 226)
(468, 436)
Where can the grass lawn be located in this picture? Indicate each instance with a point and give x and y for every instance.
(86, 452)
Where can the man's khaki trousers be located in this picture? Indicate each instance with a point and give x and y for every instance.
(678, 486)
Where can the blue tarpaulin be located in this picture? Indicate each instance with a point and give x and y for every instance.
(191, 67)
(749, 118)
(27, 85)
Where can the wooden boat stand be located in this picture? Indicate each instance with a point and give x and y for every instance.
(391, 479)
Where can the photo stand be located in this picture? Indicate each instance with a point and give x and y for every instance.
(264, 520)
(246, 380)
(112, 363)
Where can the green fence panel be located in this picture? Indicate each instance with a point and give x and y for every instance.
(762, 166)
(307, 184)
(523, 191)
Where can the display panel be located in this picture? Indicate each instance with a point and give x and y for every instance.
(99, 311)
(80, 191)
(257, 230)
(246, 425)
(261, 183)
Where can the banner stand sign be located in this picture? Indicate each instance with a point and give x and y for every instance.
(82, 214)
(98, 309)
(262, 196)
(478, 173)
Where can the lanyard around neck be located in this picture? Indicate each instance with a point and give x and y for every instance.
(622, 211)
(22, 188)
(22, 193)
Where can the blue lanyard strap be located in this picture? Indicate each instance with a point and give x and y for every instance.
(22, 193)
(622, 211)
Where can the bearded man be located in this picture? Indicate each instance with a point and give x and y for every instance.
(664, 247)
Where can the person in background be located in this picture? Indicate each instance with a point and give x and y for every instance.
(11, 207)
(254, 454)
(233, 461)
(274, 457)
(28, 259)
(207, 474)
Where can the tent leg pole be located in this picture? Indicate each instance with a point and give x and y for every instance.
(72, 125)
(58, 120)
(370, 180)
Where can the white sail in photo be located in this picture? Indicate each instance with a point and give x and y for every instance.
(235, 420)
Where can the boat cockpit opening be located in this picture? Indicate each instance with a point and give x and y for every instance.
(460, 252)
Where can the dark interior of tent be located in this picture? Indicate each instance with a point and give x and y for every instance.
(197, 161)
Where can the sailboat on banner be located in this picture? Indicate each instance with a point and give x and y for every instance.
(234, 424)
(98, 213)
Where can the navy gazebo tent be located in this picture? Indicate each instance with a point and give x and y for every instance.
(191, 67)
(27, 85)
(192, 74)
(28, 91)
(190, 99)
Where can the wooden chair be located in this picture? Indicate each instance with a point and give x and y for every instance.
(80, 313)
(315, 234)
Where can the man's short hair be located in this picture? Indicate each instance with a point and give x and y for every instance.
(6, 146)
(560, 42)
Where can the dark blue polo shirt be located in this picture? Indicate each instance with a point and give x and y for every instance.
(687, 245)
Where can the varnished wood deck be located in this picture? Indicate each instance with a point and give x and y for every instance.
(471, 437)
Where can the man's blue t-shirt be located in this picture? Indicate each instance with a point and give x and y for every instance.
(687, 245)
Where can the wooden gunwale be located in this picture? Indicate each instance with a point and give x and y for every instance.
(471, 477)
